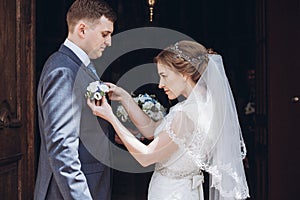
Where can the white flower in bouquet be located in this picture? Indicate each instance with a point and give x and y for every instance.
(122, 114)
(148, 104)
(93, 86)
(96, 90)
(104, 88)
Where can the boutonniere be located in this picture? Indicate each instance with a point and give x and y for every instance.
(96, 90)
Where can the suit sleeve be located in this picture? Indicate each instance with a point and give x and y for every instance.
(62, 124)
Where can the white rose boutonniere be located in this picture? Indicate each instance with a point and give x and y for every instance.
(96, 90)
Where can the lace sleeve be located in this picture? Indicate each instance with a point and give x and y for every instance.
(178, 125)
(188, 129)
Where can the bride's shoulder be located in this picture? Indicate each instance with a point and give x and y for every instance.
(178, 105)
(184, 107)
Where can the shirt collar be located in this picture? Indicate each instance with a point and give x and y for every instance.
(78, 52)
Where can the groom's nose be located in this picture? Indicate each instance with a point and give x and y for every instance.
(108, 41)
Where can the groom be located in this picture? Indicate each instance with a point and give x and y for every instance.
(67, 169)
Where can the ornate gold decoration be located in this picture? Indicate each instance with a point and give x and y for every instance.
(151, 4)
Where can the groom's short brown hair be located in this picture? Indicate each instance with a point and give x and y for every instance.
(89, 10)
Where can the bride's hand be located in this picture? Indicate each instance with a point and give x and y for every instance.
(103, 110)
(117, 93)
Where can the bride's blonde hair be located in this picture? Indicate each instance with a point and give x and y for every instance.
(186, 57)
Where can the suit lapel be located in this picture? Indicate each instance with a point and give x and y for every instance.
(65, 50)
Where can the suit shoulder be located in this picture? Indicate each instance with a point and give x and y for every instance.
(60, 62)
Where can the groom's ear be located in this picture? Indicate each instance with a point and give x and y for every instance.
(81, 29)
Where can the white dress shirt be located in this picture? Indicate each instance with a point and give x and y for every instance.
(78, 51)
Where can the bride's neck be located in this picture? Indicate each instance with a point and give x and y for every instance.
(189, 88)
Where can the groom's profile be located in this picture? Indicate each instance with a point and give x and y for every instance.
(66, 169)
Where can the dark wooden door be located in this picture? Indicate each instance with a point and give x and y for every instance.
(17, 99)
(283, 67)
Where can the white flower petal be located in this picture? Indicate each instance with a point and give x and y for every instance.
(93, 86)
(104, 88)
(97, 96)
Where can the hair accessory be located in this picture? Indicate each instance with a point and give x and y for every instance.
(179, 54)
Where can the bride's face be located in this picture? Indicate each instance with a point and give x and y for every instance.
(171, 81)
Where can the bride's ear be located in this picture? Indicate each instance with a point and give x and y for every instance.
(185, 77)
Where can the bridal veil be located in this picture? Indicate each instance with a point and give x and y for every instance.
(215, 144)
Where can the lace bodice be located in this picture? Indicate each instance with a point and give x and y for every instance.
(177, 177)
(179, 164)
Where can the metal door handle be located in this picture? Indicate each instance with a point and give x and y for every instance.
(4, 118)
(295, 99)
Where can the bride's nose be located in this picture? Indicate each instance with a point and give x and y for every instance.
(160, 85)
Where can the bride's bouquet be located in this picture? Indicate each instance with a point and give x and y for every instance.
(96, 90)
(148, 103)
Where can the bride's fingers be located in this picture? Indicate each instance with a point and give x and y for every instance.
(89, 103)
(95, 108)
(92, 106)
(103, 100)
(109, 84)
(97, 103)
(112, 87)
(109, 94)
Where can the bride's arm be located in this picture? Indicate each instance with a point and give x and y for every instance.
(143, 122)
(159, 149)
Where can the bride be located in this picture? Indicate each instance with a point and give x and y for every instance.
(201, 133)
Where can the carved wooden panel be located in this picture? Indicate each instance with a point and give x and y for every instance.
(9, 178)
(10, 139)
(16, 99)
(9, 58)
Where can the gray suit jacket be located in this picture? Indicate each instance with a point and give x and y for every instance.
(69, 133)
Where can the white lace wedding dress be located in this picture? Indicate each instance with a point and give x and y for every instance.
(178, 177)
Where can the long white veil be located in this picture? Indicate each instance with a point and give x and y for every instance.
(223, 144)
(216, 144)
